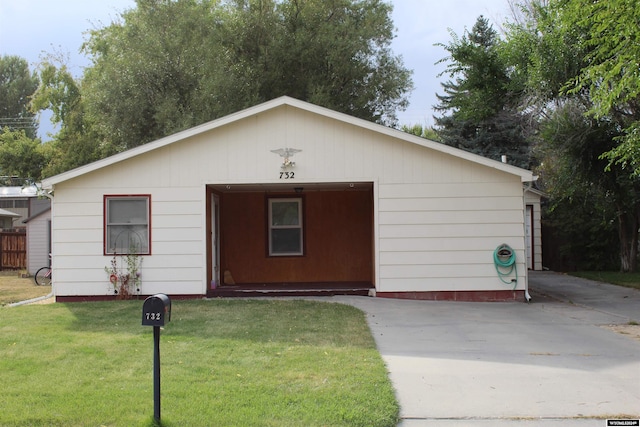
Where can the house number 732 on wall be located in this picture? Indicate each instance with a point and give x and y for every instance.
(287, 175)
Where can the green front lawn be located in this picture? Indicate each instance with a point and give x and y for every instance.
(629, 280)
(224, 363)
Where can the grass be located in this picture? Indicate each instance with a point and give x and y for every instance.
(14, 288)
(629, 280)
(224, 363)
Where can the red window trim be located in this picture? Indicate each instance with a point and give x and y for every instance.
(104, 220)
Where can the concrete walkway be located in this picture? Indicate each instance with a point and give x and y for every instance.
(547, 363)
(619, 303)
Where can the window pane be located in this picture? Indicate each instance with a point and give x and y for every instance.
(285, 213)
(127, 211)
(286, 241)
(127, 225)
(128, 239)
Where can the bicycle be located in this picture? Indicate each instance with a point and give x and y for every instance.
(43, 276)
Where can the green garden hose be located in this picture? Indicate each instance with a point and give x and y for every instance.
(504, 259)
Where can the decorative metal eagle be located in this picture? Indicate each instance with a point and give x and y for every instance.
(286, 154)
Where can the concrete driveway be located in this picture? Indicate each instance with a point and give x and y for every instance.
(552, 362)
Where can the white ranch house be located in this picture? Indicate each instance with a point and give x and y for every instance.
(290, 197)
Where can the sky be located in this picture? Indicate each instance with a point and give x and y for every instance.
(32, 28)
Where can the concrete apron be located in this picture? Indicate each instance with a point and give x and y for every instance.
(473, 363)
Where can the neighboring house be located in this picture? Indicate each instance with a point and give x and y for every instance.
(291, 196)
(38, 239)
(16, 204)
(6, 219)
(17, 200)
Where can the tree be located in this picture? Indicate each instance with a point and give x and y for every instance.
(554, 51)
(21, 156)
(170, 65)
(78, 141)
(151, 70)
(587, 208)
(611, 74)
(422, 131)
(17, 85)
(480, 103)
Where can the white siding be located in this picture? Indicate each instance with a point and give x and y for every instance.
(38, 242)
(175, 265)
(438, 217)
(441, 236)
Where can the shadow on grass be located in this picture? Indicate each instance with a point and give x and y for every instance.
(286, 321)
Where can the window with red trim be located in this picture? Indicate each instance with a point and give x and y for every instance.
(127, 225)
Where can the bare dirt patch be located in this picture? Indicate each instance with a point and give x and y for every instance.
(14, 288)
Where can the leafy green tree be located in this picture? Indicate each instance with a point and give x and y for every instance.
(150, 71)
(588, 208)
(21, 156)
(17, 84)
(78, 142)
(170, 65)
(422, 131)
(611, 35)
(480, 103)
(552, 53)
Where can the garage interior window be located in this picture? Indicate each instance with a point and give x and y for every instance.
(127, 225)
(285, 227)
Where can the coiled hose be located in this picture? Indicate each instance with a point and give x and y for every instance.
(504, 259)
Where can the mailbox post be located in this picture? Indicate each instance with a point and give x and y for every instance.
(156, 310)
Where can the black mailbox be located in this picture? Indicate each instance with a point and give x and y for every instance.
(156, 310)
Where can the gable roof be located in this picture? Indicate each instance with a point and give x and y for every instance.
(49, 183)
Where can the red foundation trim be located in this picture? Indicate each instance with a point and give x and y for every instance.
(468, 296)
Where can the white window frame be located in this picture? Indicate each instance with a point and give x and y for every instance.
(273, 227)
(141, 221)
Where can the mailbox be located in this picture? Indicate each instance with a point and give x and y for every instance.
(156, 310)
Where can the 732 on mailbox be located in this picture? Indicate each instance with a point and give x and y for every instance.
(156, 310)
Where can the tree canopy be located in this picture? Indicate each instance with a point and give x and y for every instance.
(17, 84)
(479, 104)
(611, 35)
(21, 156)
(585, 109)
(170, 65)
(564, 81)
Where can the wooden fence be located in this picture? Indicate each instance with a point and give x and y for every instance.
(13, 250)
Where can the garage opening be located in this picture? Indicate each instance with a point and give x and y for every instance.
(291, 239)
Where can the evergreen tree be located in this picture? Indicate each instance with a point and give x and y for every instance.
(479, 105)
